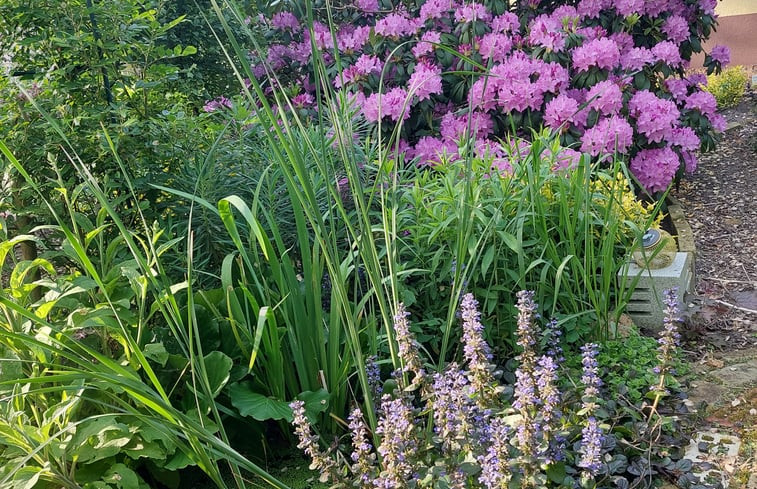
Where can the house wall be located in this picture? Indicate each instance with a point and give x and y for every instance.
(737, 29)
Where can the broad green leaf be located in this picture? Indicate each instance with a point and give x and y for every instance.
(315, 402)
(258, 406)
(156, 352)
(122, 477)
(218, 365)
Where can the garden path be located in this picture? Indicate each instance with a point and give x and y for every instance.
(721, 329)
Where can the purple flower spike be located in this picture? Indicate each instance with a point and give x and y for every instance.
(309, 443)
(362, 456)
(495, 467)
(476, 351)
(398, 442)
(408, 351)
(591, 448)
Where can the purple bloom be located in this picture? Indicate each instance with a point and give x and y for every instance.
(678, 88)
(285, 21)
(655, 168)
(610, 135)
(590, 8)
(362, 455)
(628, 7)
(475, 349)
(668, 53)
(407, 349)
(602, 53)
(395, 26)
(669, 338)
(216, 104)
(425, 81)
(425, 45)
(590, 378)
(655, 117)
(495, 46)
(495, 464)
(398, 442)
(560, 110)
(591, 447)
(636, 58)
(605, 97)
(472, 12)
(453, 410)
(676, 28)
(309, 443)
(546, 31)
(702, 101)
(685, 138)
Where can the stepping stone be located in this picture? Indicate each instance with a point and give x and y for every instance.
(736, 376)
(714, 456)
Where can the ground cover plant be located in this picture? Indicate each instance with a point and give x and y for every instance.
(459, 427)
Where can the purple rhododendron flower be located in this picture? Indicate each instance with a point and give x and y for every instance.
(590, 9)
(216, 104)
(395, 26)
(685, 138)
(610, 135)
(367, 6)
(678, 88)
(507, 22)
(668, 53)
(704, 102)
(605, 97)
(655, 168)
(472, 12)
(495, 47)
(655, 117)
(284, 21)
(547, 32)
(628, 7)
(560, 110)
(435, 9)
(425, 81)
(602, 53)
(636, 59)
(676, 28)
(424, 46)
(431, 151)
(721, 54)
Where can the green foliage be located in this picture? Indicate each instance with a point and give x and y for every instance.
(628, 365)
(93, 406)
(562, 233)
(728, 87)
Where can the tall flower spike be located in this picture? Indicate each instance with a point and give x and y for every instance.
(669, 339)
(362, 456)
(398, 442)
(495, 463)
(526, 329)
(309, 444)
(408, 351)
(591, 448)
(476, 351)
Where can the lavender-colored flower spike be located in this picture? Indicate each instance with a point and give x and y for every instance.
(495, 466)
(591, 448)
(398, 442)
(554, 348)
(669, 339)
(408, 351)
(476, 351)
(362, 456)
(309, 443)
(373, 373)
(526, 329)
(590, 377)
(549, 394)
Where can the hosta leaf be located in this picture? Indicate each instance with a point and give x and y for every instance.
(218, 365)
(258, 406)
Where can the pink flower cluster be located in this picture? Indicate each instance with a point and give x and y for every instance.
(599, 89)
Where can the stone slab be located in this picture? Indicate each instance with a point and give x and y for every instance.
(719, 451)
(737, 376)
(645, 306)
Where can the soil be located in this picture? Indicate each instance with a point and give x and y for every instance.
(719, 202)
(721, 321)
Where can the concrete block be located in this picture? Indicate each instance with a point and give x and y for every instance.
(645, 306)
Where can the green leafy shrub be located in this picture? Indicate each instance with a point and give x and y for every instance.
(563, 232)
(728, 87)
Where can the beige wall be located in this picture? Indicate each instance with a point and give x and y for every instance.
(736, 7)
(737, 29)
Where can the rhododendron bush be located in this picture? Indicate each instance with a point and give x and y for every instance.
(608, 76)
